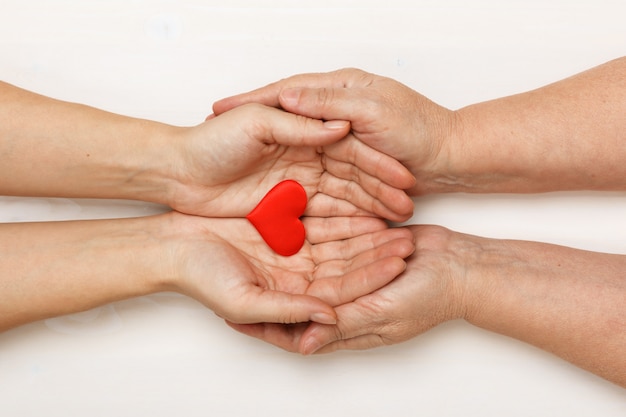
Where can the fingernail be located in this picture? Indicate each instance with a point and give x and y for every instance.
(323, 318)
(290, 96)
(310, 346)
(336, 124)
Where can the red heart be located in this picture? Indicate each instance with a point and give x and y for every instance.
(277, 217)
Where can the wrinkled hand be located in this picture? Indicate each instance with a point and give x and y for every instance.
(425, 295)
(225, 264)
(385, 115)
(231, 161)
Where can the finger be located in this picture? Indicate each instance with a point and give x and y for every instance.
(327, 102)
(284, 336)
(364, 342)
(275, 126)
(323, 205)
(356, 154)
(332, 229)
(348, 249)
(355, 194)
(351, 285)
(279, 307)
(395, 199)
(337, 267)
(269, 94)
(355, 326)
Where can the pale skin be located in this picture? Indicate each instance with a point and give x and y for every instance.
(221, 168)
(569, 135)
(55, 268)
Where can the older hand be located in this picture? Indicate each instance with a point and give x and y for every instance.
(231, 161)
(425, 295)
(566, 301)
(385, 115)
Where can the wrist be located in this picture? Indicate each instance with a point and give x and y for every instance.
(145, 252)
(486, 264)
(471, 262)
(181, 239)
(184, 170)
(474, 157)
(167, 236)
(436, 173)
(148, 170)
(451, 259)
(472, 160)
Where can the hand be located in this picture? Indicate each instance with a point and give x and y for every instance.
(385, 115)
(567, 301)
(224, 264)
(425, 295)
(220, 168)
(50, 269)
(231, 161)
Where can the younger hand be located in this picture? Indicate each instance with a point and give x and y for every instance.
(224, 264)
(231, 161)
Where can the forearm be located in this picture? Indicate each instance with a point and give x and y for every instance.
(569, 135)
(50, 269)
(54, 148)
(566, 301)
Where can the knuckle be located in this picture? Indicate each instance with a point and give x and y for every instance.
(303, 127)
(325, 97)
(259, 114)
(351, 76)
(253, 108)
(339, 333)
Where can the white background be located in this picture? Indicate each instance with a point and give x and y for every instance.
(166, 355)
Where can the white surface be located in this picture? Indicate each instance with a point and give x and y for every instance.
(169, 60)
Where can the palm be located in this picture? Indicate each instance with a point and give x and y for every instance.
(258, 265)
(359, 256)
(233, 189)
(420, 299)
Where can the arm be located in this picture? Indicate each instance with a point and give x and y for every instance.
(219, 168)
(54, 148)
(55, 268)
(569, 135)
(566, 301)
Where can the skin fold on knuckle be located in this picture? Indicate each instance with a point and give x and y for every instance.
(257, 122)
(325, 98)
(305, 128)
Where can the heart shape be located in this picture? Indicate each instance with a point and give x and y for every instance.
(277, 217)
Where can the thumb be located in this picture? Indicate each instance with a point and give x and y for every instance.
(294, 130)
(316, 337)
(280, 307)
(326, 103)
